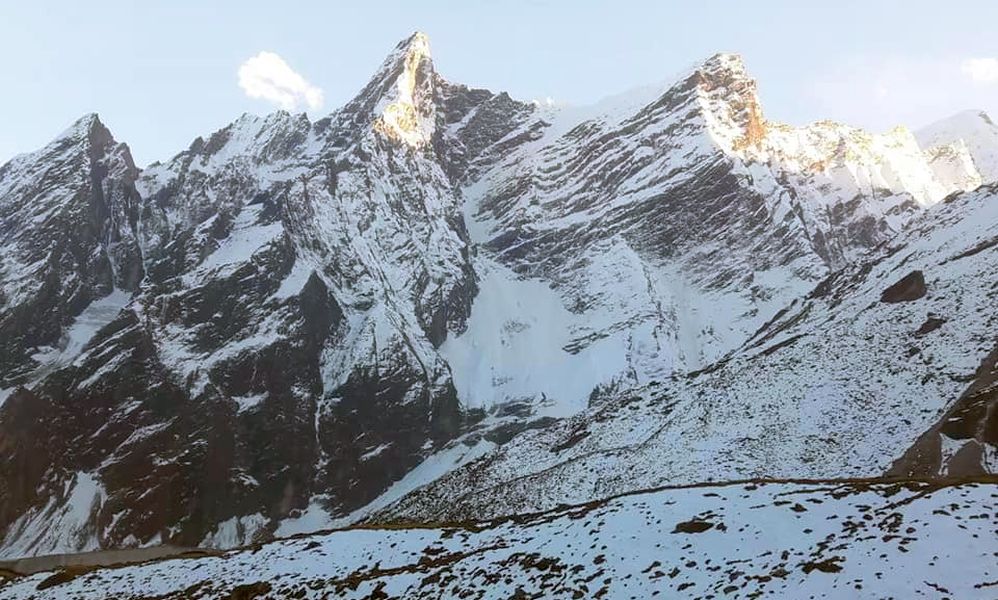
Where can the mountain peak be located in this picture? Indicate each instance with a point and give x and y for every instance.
(87, 127)
(723, 62)
(400, 95)
(976, 129)
(416, 44)
(87, 120)
(90, 135)
(730, 101)
(723, 70)
(406, 110)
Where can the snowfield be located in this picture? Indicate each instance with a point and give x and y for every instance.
(748, 540)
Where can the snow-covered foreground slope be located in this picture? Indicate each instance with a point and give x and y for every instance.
(774, 540)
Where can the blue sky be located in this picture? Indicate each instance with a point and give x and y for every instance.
(162, 73)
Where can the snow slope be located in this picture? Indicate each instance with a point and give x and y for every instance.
(783, 540)
(976, 130)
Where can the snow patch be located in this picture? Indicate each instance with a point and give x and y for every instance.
(63, 525)
(514, 348)
(236, 531)
(97, 315)
(248, 402)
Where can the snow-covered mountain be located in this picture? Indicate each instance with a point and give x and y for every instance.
(972, 129)
(294, 324)
(839, 383)
(69, 246)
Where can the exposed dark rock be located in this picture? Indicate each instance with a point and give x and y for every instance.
(973, 420)
(507, 431)
(931, 324)
(909, 288)
(693, 526)
(829, 565)
(249, 591)
(576, 437)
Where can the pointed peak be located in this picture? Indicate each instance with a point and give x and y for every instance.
(724, 60)
(87, 132)
(86, 137)
(88, 126)
(88, 120)
(412, 53)
(399, 98)
(730, 101)
(722, 69)
(418, 43)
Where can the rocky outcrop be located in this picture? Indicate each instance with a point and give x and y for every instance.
(964, 443)
(909, 288)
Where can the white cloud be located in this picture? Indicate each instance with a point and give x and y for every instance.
(266, 76)
(981, 70)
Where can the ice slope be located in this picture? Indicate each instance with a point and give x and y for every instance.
(517, 347)
(783, 540)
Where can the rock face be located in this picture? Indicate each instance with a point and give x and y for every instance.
(68, 225)
(964, 443)
(294, 324)
(909, 288)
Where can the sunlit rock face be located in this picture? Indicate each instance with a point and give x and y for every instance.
(406, 111)
(293, 324)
